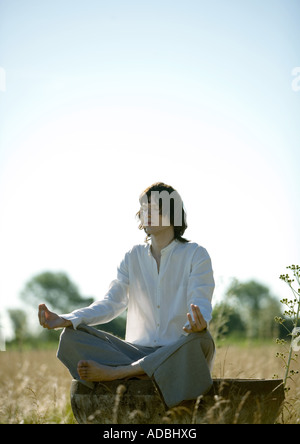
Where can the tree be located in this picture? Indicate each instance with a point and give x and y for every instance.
(55, 289)
(19, 320)
(226, 320)
(256, 305)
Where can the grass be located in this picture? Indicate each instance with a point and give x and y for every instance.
(35, 386)
(259, 362)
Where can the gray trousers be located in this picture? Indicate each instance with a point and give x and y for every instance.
(181, 370)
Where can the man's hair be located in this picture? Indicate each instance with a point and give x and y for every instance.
(177, 214)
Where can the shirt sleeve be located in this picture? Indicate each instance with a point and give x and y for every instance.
(110, 306)
(201, 284)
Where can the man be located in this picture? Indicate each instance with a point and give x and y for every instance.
(158, 283)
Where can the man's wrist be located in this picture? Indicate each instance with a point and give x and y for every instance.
(66, 323)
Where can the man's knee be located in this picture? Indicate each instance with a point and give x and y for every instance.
(67, 337)
(207, 345)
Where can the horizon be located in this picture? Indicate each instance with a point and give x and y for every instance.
(202, 95)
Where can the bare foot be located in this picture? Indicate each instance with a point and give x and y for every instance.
(92, 371)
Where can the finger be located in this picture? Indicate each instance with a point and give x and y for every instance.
(187, 330)
(191, 321)
(198, 315)
(200, 321)
(195, 314)
(197, 324)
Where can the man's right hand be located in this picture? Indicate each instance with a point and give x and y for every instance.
(51, 320)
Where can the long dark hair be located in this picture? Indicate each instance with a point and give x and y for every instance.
(178, 229)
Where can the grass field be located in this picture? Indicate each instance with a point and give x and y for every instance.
(35, 386)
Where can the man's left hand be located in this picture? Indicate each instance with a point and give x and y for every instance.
(198, 324)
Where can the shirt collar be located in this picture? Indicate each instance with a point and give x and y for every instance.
(168, 248)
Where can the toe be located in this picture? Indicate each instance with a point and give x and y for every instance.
(82, 364)
(82, 369)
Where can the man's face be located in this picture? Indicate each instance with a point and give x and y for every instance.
(152, 218)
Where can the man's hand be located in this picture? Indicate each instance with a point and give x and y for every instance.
(199, 323)
(51, 320)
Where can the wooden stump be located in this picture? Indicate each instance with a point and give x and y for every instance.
(135, 401)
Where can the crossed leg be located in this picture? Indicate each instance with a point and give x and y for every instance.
(93, 371)
(81, 350)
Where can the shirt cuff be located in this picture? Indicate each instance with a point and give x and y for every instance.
(73, 318)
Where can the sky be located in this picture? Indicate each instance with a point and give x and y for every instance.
(101, 98)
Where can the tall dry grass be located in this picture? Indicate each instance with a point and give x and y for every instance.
(35, 386)
(260, 362)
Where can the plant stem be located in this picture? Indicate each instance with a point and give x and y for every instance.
(295, 318)
(287, 367)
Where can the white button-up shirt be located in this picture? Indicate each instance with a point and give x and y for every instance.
(157, 301)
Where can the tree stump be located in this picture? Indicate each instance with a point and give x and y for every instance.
(135, 401)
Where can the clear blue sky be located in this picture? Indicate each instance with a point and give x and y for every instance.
(99, 99)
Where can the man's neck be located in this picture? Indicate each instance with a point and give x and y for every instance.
(161, 240)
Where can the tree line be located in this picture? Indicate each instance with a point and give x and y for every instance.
(247, 310)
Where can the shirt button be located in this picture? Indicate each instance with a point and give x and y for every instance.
(157, 325)
(158, 306)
